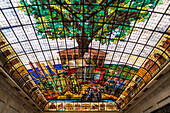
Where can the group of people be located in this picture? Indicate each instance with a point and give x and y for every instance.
(67, 82)
(93, 93)
(112, 84)
(60, 83)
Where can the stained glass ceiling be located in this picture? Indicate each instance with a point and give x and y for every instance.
(84, 55)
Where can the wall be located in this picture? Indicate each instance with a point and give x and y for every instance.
(153, 98)
(11, 100)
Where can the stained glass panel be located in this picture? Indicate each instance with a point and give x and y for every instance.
(88, 55)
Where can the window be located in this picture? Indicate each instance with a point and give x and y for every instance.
(75, 57)
(63, 59)
(101, 60)
(69, 57)
(95, 59)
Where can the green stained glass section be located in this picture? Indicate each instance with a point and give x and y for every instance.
(97, 20)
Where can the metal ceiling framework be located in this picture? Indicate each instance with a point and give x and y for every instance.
(20, 35)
